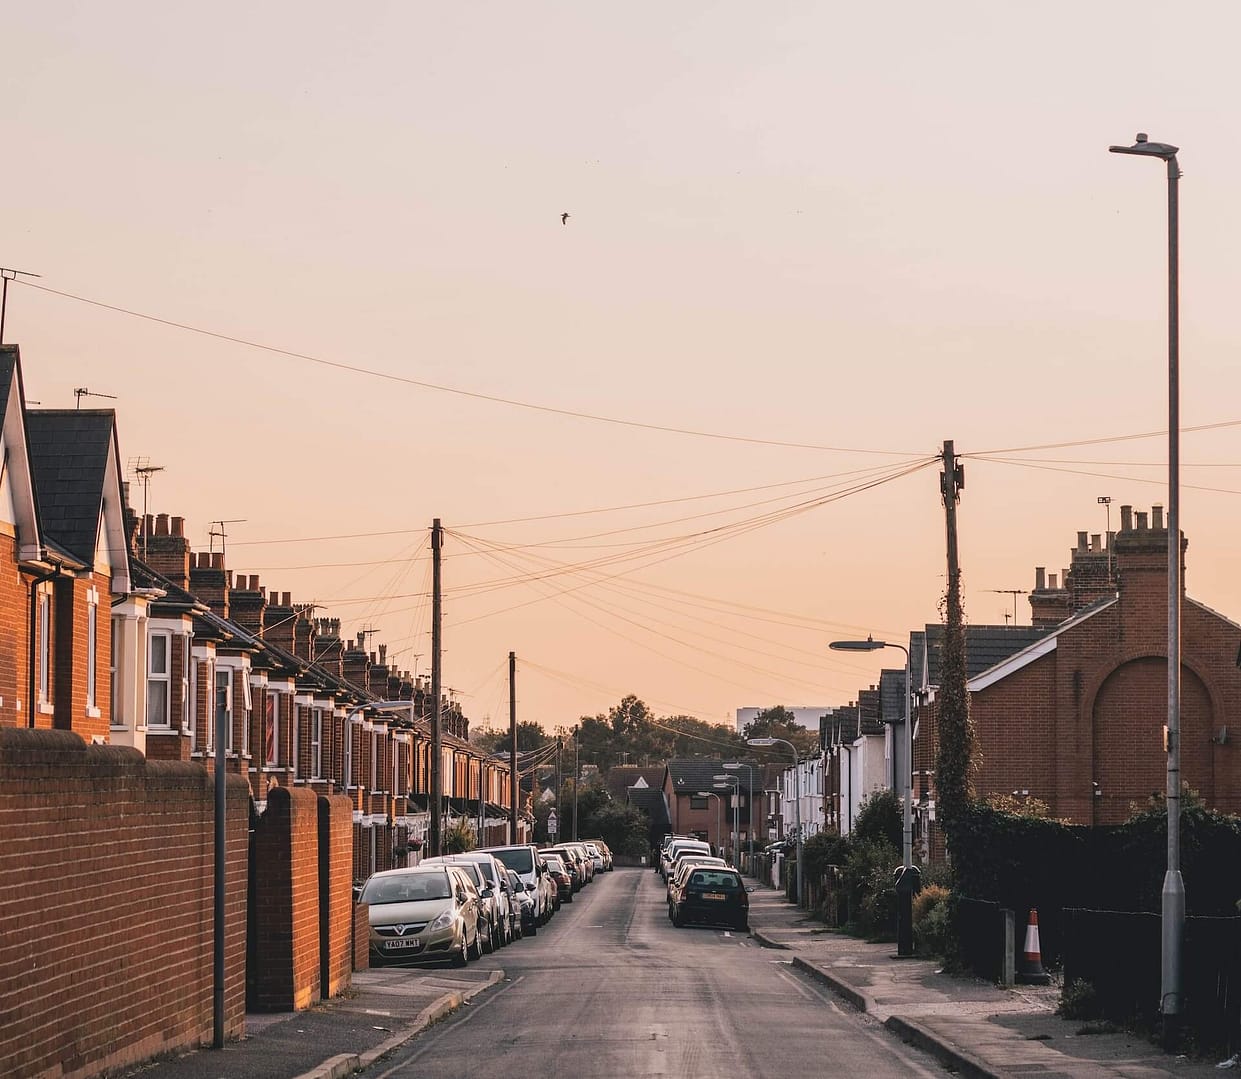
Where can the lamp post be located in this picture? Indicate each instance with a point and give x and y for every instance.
(749, 805)
(767, 743)
(909, 878)
(1173, 908)
(718, 803)
(735, 782)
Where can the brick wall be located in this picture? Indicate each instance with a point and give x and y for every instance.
(361, 936)
(284, 972)
(335, 894)
(106, 905)
(14, 637)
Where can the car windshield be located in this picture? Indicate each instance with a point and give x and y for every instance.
(487, 870)
(517, 858)
(406, 888)
(717, 879)
(554, 862)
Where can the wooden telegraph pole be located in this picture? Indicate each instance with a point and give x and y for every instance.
(437, 675)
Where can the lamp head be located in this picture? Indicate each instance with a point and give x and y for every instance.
(868, 645)
(760, 742)
(1143, 147)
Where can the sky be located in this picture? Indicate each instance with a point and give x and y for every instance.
(682, 440)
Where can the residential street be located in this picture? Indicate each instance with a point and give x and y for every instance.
(610, 988)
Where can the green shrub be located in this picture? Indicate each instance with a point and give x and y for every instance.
(1078, 1000)
(459, 838)
(869, 883)
(932, 918)
(879, 818)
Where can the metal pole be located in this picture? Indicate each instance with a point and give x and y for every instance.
(1173, 922)
(217, 1041)
(801, 890)
(437, 751)
(514, 781)
(577, 774)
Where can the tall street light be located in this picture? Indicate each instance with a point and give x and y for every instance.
(749, 831)
(735, 783)
(1173, 916)
(718, 802)
(766, 743)
(910, 878)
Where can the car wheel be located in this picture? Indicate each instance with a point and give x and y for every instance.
(533, 931)
(461, 958)
(476, 951)
(568, 898)
(486, 942)
(677, 920)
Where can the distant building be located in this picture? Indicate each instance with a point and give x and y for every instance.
(806, 716)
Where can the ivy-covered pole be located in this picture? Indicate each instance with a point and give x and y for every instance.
(954, 763)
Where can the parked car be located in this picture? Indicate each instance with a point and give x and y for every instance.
(527, 903)
(487, 893)
(424, 914)
(588, 863)
(678, 845)
(560, 874)
(493, 872)
(573, 863)
(596, 856)
(686, 863)
(712, 895)
(606, 851)
(525, 861)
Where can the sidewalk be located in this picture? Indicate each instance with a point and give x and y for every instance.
(383, 1009)
(973, 1027)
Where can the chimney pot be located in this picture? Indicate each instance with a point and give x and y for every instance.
(1141, 516)
(1040, 578)
(228, 579)
(161, 525)
(1081, 541)
(217, 561)
(148, 525)
(254, 582)
(1126, 518)
(178, 526)
(1157, 517)
(1051, 581)
(286, 599)
(1096, 542)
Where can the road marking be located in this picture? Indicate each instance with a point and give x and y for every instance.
(801, 989)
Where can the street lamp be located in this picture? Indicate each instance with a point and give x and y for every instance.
(762, 743)
(749, 805)
(718, 802)
(1173, 910)
(735, 782)
(905, 895)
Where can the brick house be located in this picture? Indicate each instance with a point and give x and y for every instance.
(693, 809)
(1076, 717)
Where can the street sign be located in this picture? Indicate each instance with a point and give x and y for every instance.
(553, 823)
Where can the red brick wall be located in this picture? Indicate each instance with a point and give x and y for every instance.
(336, 894)
(14, 637)
(111, 964)
(284, 974)
(361, 937)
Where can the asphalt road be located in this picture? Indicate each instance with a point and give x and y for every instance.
(610, 988)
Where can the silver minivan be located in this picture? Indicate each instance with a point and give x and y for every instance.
(487, 893)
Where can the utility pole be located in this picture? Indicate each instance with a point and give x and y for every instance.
(437, 675)
(514, 781)
(953, 767)
(577, 775)
(559, 781)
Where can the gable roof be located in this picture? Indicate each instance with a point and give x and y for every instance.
(17, 472)
(75, 462)
(985, 646)
(690, 775)
(1041, 646)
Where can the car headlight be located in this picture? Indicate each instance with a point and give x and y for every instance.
(443, 921)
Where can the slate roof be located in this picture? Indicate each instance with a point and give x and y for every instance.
(697, 774)
(892, 696)
(985, 647)
(623, 776)
(69, 458)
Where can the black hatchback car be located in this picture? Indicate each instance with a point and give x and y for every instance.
(714, 897)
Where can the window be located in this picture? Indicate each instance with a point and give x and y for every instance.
(347, 775)
(159, 678)
(117, 622)
(224, 707)
(192, 721)
(271, 729)
(45, 648)
(92, 646)
(316, 744)
(698, 801)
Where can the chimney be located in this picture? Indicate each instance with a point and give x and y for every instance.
(248, 604)
(210, 583)
(1157, 517)
(1081, 541)
(1126, 518)
(1141, 554)
(1040, 578)
(167, 552)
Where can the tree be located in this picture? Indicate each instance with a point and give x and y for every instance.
(779, 722)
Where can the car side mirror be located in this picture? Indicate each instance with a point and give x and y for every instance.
(530, 886)
(751, 888)
(487, 893)
(461, 895)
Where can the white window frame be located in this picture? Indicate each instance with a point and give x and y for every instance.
(223, 680)
(45, 649)
(271, 703)
(117, 622)
(159, 678)
(92, 653)
(316, 743)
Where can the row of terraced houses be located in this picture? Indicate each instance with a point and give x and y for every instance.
(125, 657)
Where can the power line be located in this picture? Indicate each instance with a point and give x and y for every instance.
(472, 394)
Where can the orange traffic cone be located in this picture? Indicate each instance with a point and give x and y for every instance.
(1030, 965)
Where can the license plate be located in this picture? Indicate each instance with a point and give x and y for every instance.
(713, 895)
(402, 945)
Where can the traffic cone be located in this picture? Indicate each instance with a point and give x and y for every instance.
(1030, 965)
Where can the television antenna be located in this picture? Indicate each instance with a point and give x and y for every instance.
(213, 532)
(144, 470)
(82, 391)
(1014, 592)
